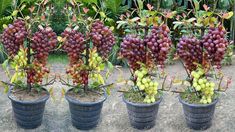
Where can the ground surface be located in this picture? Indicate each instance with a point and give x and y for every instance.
(114, 115)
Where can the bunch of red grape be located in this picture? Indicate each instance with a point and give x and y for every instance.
(43, 42)
(13, 36)
(215, 44)
(79, 76)
(35, 74)
(159, 43)
(74, 44)
(190, 51)
(102, 38)
(133, 49)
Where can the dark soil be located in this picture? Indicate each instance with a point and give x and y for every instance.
(89, 96)
(24, 95)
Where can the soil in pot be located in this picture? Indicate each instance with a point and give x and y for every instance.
(85, 109)
(89, 96)
(23, 95)
(141, 115)
(198, 116)
(28, 108)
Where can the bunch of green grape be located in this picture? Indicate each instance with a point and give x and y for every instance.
(203, 86)
(96, 64)
(146, 84)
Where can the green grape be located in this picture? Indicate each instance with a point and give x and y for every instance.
(203, 86)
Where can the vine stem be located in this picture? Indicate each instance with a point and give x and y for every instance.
(87, 64)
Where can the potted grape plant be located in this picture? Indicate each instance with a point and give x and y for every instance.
(201, 50)
(26, 66)
(88, 43)
(145, 48)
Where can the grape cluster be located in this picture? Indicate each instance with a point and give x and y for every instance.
(159, 43)
(203, 86)
(35, 74)
(215, 44)
(43, 41)
(13, 36)
(133, 49)
(102, 38)
(74, 44)
(79, 76)
(146, 84)
(190, 51)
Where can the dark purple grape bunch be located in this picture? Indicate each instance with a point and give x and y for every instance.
(43, 41)
(159, 43)
(74, 44)
(102, 38)
(215, 44)
(133, 49)
(190, 51)
(13, 36)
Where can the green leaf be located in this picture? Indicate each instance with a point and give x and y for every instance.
(229, 15)
(196, 4)
(113, 5)
(14, 13)
(102, 66)
(3, 5)
(110, 65)
(140, 4)
(191, 20)
(102, 14)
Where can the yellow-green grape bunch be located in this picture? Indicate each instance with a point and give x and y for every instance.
(95, 61)
(19, 62)
(146, 84)
(96, 64)
(203, 86)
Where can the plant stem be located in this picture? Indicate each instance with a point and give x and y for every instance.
(28, 63)
(87, 64)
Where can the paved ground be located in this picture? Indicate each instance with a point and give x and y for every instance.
(114, 115)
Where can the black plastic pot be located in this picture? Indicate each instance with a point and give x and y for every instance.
(142, 116)
(28, 114)
(198, 116)
(85, 115)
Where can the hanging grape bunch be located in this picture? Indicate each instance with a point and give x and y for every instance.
(78, 75)
(133, 49)
(190, 51)
(159, 43)
(13, 36)
(215, 44)
(36, 73)
(74, 44)
(102, 38)
(43, 42)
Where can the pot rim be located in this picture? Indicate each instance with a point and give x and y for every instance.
(141, 104)
(76, 101)
(198, 105)
(39, 100)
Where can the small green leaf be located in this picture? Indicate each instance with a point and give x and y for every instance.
(14, 13)
(102, 14)
(196, 4)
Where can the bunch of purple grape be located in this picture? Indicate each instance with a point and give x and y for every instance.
(215, 44)
(13, 36)
(190, 51)
(102, 38)
(133, 49)
(74, 44)
(43, 42)
(159, 43)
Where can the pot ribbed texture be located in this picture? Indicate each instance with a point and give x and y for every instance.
(199, 116)
(28, 114)
(142, 116)
(85, 115)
